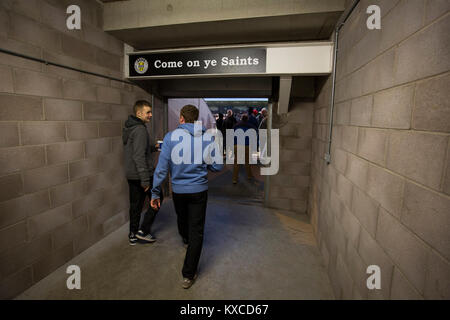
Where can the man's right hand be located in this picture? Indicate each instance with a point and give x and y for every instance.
(155, 204)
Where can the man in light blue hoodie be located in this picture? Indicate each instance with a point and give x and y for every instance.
(189, 177)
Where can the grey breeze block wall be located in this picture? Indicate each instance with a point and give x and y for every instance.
(384, 199)
(289, 188)
(62, 186)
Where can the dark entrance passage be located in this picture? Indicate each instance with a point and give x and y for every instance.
(245, 191)
(221, 184)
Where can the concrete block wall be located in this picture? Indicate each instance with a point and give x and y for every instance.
(385, 199)
(62, 186)
(289, 188)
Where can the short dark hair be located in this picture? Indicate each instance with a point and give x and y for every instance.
(138, 105)
(244, 117)
(189, 113)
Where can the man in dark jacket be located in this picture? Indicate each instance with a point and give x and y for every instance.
(139, 170)
(230, 120)
(219, 122)
(263, 119)
(252, 117)
(220, 125)
(244, 125)
(228, 123)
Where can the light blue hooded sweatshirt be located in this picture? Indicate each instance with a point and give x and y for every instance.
(188, 170)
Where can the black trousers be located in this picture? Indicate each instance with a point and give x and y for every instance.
(137, 198)
(191, 213)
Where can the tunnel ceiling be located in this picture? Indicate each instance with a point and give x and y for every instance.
(210, 87)
(166, 24)
(147, 25)
(228, 87)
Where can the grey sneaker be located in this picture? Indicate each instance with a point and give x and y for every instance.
(187, 283)
(145, 238)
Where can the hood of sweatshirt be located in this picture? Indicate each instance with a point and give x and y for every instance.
(190, 176)
(131, 123)
(194, 129)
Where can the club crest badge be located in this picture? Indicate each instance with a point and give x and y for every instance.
(141, 66)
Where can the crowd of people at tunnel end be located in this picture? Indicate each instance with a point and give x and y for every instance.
(253, 120)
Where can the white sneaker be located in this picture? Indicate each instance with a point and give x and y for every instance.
(187, 283)
(146, 238)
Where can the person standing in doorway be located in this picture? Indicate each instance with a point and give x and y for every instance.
(219, 122)
(189, 184)
(220, 125)
(228, 123)
(139, 171)
(263, 120)
(252, 117)
(244, 125)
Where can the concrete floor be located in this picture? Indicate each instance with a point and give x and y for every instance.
(249, 252)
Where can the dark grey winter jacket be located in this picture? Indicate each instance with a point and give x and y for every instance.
(137, 151)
